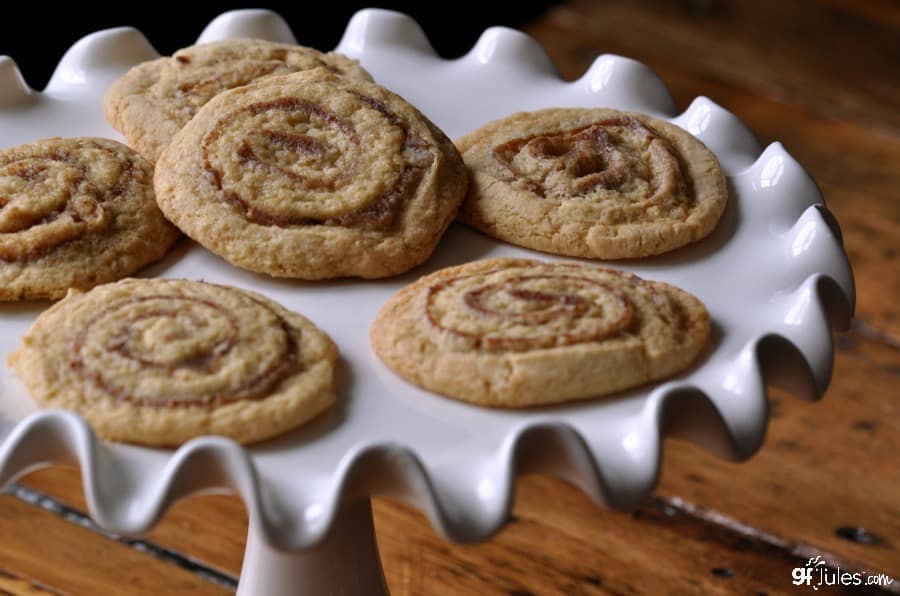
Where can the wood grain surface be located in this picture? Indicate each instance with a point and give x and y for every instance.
(820, 76)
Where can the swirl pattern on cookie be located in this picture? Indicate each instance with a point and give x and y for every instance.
(594, 183)
(161, 361)
(75, 213)
(333, 177)
(515, 333)
(155, 99)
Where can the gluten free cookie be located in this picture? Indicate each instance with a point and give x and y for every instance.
(159, 361)
(75, 213)
(312, 176)
(595, 183)
(155, 99)
(514, 333)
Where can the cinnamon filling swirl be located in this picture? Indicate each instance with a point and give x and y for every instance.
(620, 155)
(497, 311)
(182, 350)
(48, 199)
(297, 162)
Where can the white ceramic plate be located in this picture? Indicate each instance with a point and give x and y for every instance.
(773, 275)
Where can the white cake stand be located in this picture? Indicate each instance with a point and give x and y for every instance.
(773, 274)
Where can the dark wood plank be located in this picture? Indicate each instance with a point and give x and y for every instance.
(571, 547)
(809, 53)
(21, 586)
(67, 558)
(210, 529)
(559, 542)
(885, 13)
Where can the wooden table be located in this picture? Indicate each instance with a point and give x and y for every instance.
(821, 76)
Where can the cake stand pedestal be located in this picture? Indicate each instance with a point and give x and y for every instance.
(345, 562)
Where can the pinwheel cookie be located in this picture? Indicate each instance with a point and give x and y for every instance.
(75, 213)
(594, 183)
(515, 333)
(153, 100)
(312, 176)
(158, 362)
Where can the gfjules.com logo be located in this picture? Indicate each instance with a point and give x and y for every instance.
(816, 573)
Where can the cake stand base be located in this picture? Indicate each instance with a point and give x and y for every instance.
(346, 562)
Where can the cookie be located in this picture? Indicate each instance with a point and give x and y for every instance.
(159, 361)
(595, 183)
(155, 99)
(312, 176)
(514, 333)
(75, 213)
